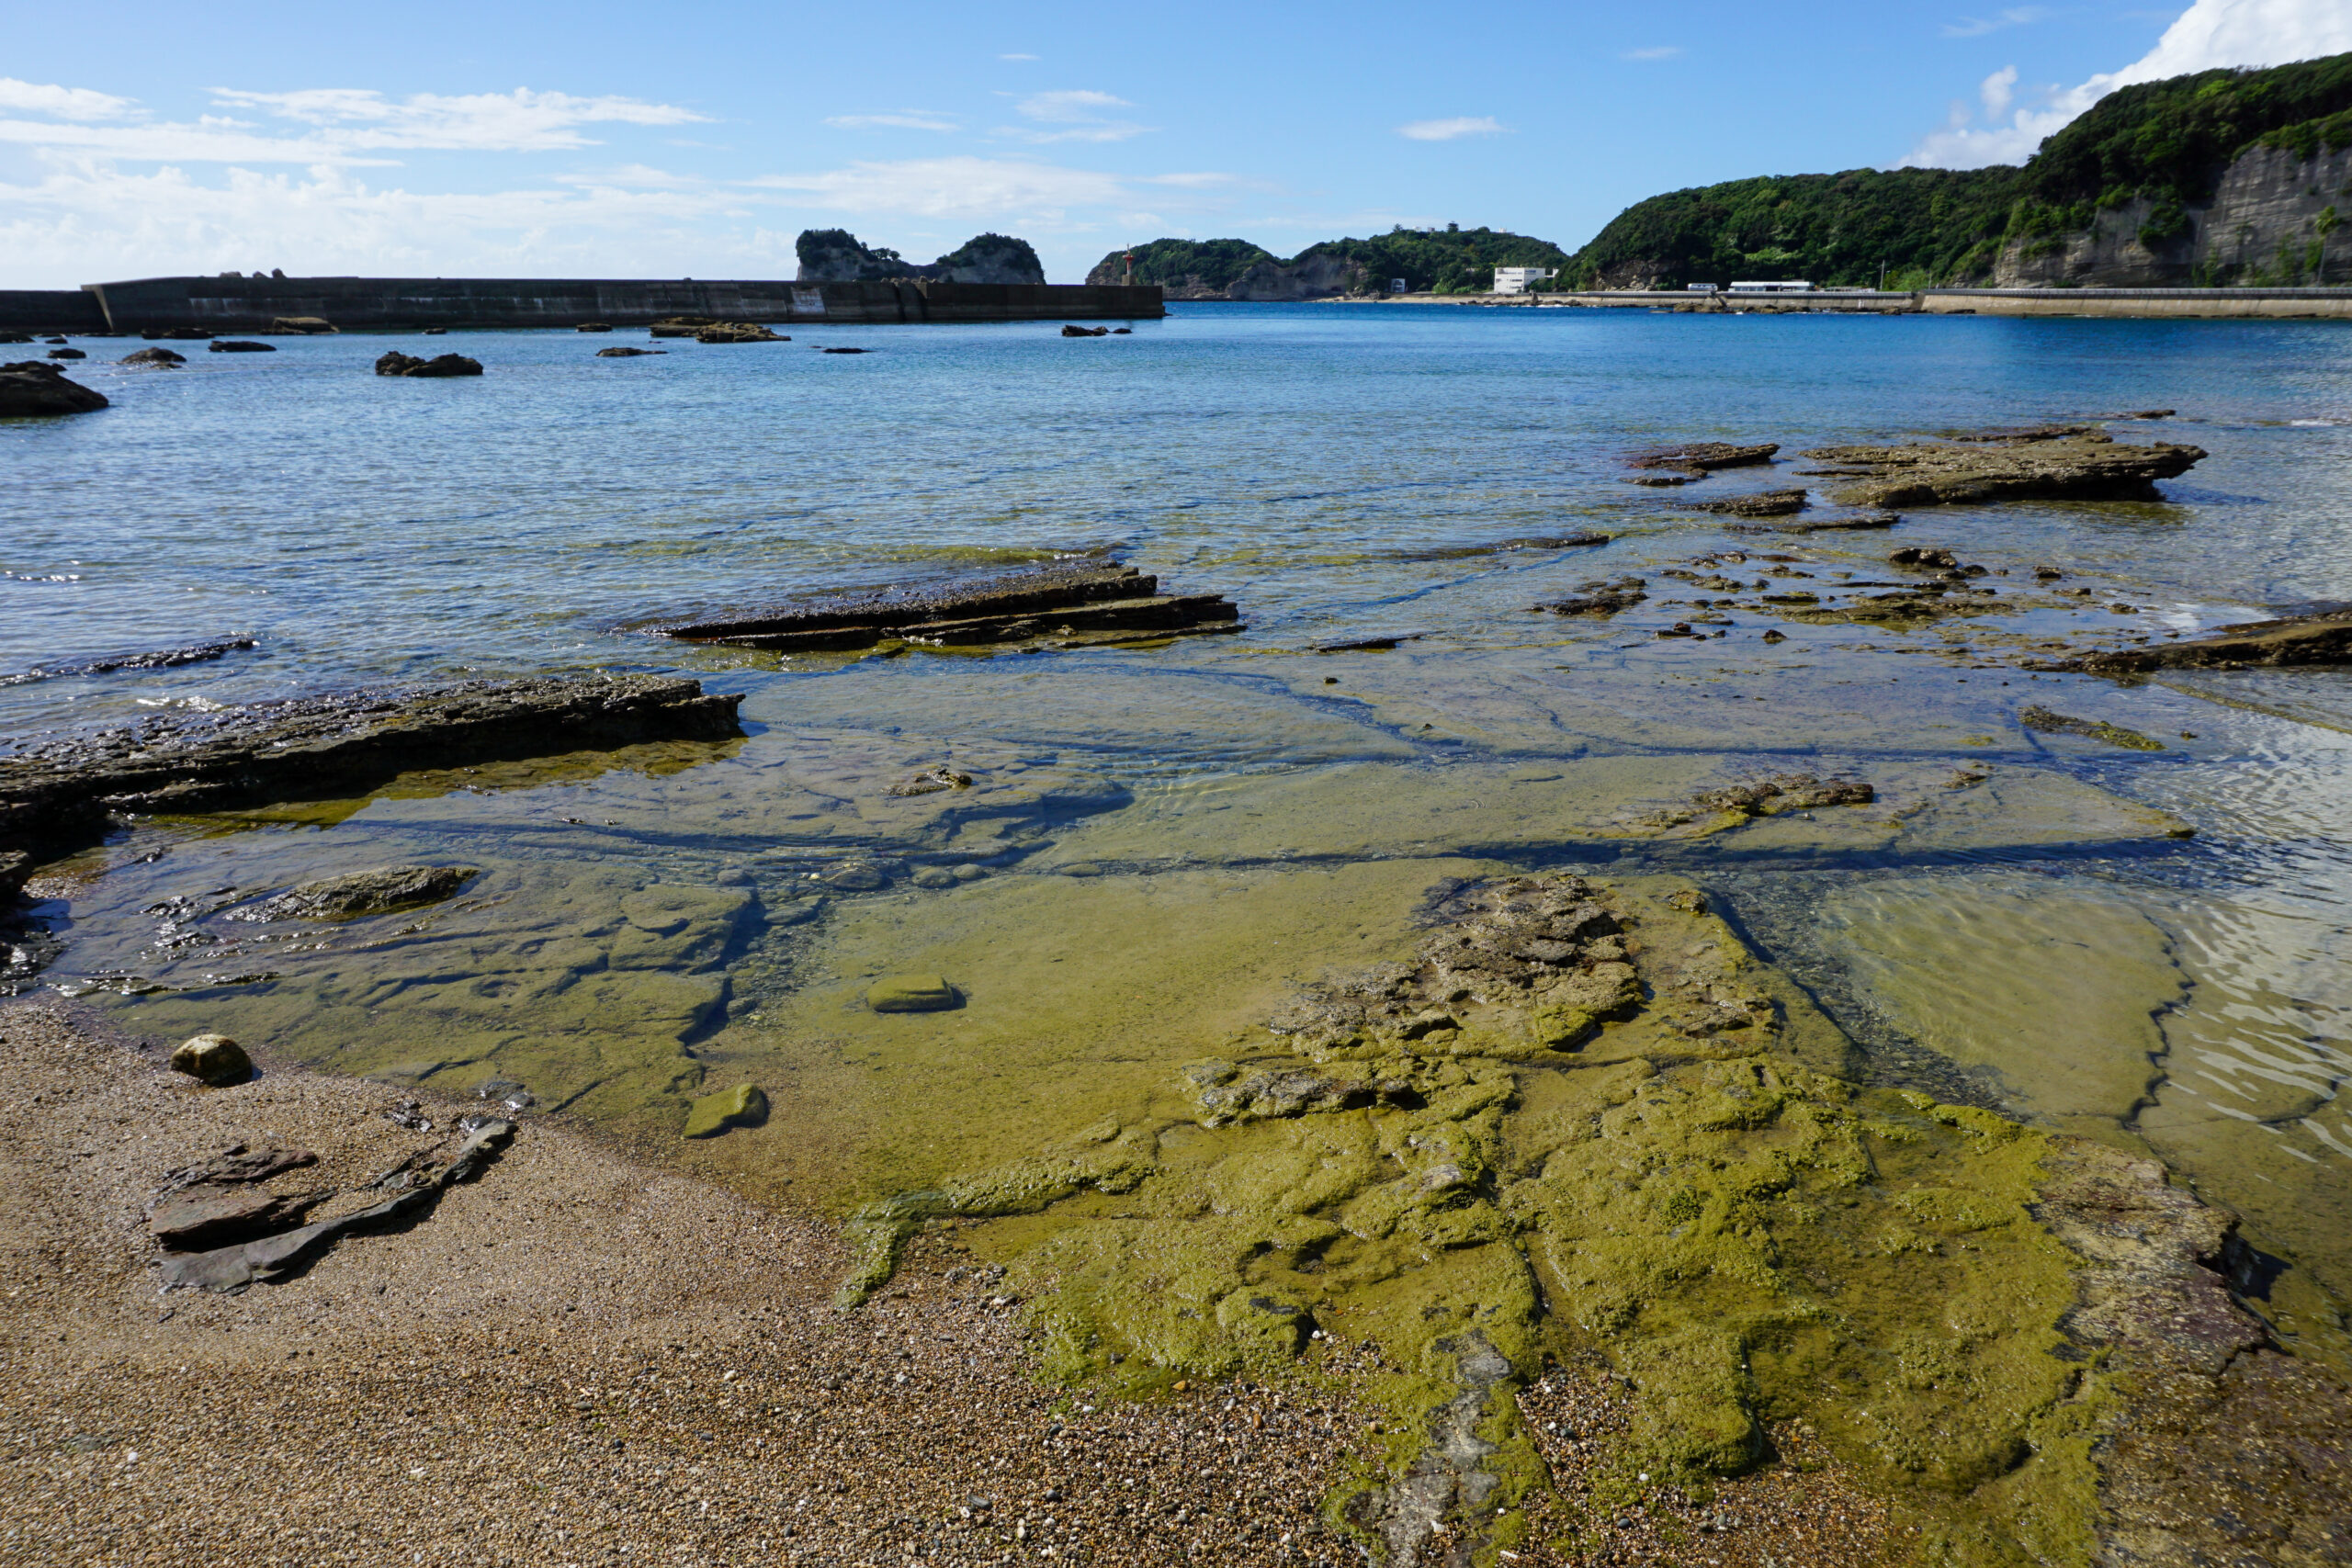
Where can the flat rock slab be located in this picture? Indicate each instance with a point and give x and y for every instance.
(381, 890)
(2063, 463)
(2290, 641)
(913, 993)
(209, 1216)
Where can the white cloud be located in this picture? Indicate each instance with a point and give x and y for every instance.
(1076, 115)
(62, 103)
(1447, 129)
(2210, 33)
(1977, 27)
(1006, 188)
(1998, 91)
(1016, 57)
(1663, 52)
(346, 126)
(904, 120)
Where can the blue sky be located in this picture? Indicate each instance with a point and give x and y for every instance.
(593, 139)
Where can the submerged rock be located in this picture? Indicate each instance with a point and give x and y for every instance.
(379, 891)
(67, 354)
(1600, 598)
(35, 389)
(2040, 719)
(154, 356)
(745, 1105)
(241, 345)
(214, 1059)
(913, 993)
(2058, 463)
(1760, 503)
(623, 351)
(1700, 458)
(1071, 330)
(398, 364)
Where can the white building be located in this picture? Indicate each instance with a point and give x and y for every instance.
(1517, 279)
(1792, 286)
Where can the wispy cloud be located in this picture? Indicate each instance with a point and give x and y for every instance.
(1448, 129)
(1663, 52)
(63, 103)
(1016, 57)
(1977, 27)
(903, 119)
(1075, 115)
(341, 125)
(953, 188)
(2209, 33)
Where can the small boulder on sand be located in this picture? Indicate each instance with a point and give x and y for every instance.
(214, 1059)
(745, 1105)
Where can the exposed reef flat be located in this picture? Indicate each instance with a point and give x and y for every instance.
(1085, 598)
(2291, 641)
(54, 796)
(1583, 1123)
(2059, 462)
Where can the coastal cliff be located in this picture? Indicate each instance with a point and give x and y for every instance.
(1452, 260)
(836, 255)
(2222, 177)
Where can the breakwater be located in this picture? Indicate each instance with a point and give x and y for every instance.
(258, 304)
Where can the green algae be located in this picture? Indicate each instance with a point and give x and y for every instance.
(1680, 1182)
(745, 1105)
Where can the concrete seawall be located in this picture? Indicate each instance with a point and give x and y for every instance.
(252, 304)
(49, 311)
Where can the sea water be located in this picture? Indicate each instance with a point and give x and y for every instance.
(1162, 842)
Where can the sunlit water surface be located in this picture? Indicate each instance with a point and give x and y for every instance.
(1162, 841)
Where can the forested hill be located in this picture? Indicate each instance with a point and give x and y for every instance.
(1452, 260)
(2222, 176)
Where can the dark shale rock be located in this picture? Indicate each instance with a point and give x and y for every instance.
(67, 354)
(36, 388)
(54, 797)
(737, 332)
(2068, 462)
(1602, 598)
(1759, 504)
(154, 356)
(399, 363)
(2041, 720)
(241, 345)
(594, 327)
(1501, 546)
(1077, 596)
(844, 351)
(380, 891)
(1085, 332)
(417, 1183)
(205, 1215)
(621, 350)
(1702, 457)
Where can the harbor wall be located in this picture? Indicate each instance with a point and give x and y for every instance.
(49, 311)
(255, 304)
(2305, 304)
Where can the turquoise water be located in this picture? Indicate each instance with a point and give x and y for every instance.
(367, 530)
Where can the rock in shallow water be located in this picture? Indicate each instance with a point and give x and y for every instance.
(33, 387)
(399, 363)
(913, 993)
(214, 1059)
(376, 891)
(745, 1105)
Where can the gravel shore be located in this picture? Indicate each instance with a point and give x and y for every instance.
(579, 1359)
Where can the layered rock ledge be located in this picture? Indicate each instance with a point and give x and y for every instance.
(56, 796)
(1088, 600)
(2059, 462)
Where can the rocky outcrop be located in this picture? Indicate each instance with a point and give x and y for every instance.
(35, 389)
(56, 796)
(240, 345)
(1084, 600)
(2307, 641)
(160, 356)
(2271, 219)
(2061, 463)
(622, 351)
(836, 255)
(399, 363)
(381, 890)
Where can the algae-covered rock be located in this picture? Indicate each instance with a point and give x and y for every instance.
(913, 993)
(380, 890)
(745, 1105)
(214, 1059)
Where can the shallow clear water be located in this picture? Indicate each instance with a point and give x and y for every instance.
(1255, 813)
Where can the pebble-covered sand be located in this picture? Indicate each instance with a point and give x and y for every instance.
(580, 1359)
